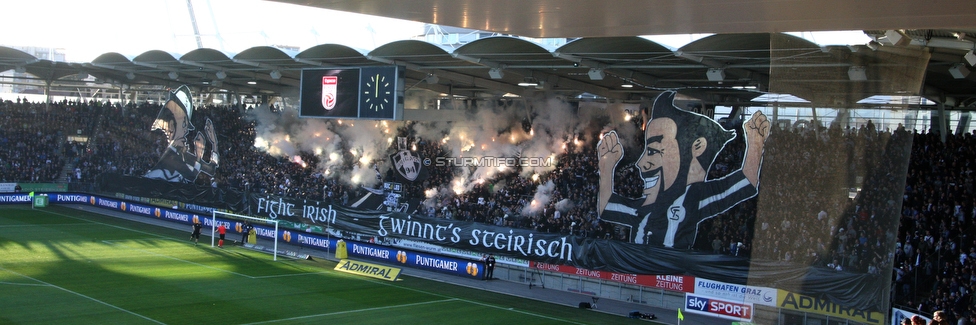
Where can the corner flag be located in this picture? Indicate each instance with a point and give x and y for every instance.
(680, 316)
(31, 194)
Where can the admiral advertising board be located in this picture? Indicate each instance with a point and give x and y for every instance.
(803, 303)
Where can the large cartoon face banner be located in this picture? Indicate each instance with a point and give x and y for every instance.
(190, 152)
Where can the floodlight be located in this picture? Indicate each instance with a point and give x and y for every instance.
(959, 71)
(596, 74)
(857, 73)
(715, 74)
(496, 73)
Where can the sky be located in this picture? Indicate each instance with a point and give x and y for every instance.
(86, 29)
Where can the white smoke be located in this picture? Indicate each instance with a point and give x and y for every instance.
(541, 198)
(338, 144)
(565, 205)
(537, 130)
(540, 129)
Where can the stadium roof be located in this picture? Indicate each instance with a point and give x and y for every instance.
(722, 69)
(594, 18)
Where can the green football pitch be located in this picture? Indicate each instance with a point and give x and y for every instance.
(64, 266)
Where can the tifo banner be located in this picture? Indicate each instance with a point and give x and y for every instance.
(794, 301)
(856, 290)
(190, 151)
(169, 194)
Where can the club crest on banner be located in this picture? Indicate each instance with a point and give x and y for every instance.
(407, 164)
(330, 84)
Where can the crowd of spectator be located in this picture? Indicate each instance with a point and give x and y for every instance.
(33, 137)
(829, 195)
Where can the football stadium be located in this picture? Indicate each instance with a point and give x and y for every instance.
(422, 162)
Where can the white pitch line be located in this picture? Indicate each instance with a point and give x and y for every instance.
(158, 236)
(352, 311)
(520, 312)
(477, 303)
(114, 242)
(288, 275)
(24, 284)
(87, 297)
(105, 224)
(179, 259)
(58, 224)
(427, 292)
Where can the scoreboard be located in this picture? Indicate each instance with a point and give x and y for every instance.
(352, 93)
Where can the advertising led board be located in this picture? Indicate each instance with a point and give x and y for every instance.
(351, 93)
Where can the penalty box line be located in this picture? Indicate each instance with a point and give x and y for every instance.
(115, 243)
(162, 237)
(47, 225)
(477, 302)
(84, 296)
(387, 284)
(352, 311)
(112, 242)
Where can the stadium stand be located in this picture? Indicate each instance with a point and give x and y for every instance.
(932, 268)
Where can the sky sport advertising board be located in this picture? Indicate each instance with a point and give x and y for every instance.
(718, 307)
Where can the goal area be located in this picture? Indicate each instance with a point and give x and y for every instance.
(234, 223)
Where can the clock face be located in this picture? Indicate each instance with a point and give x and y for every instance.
(377, 95)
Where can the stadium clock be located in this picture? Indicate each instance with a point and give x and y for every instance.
(378, 92)
(352, 92)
